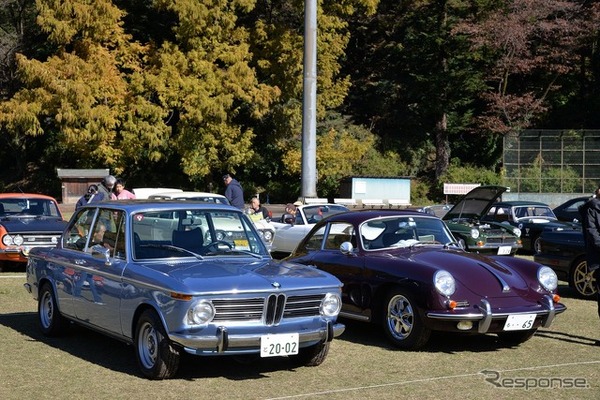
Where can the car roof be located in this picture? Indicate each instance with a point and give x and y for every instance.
(151, 205)
(187, 194)
(363, 215)
(25, 196)
(520, 203)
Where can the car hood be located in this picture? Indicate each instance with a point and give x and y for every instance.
(483, 276)
(476, 203)
(33, 224)
(213, 276)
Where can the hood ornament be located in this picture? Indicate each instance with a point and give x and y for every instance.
(275, 285)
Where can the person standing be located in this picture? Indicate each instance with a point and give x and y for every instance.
(105, 188)
(590, 224)
(91, 196)
(234, 191)
(120, 193)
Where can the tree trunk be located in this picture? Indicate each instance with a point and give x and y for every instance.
(442, 159)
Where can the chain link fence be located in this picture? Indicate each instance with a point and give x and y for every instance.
(552, 161)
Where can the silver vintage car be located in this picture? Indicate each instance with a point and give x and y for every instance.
(172, 277)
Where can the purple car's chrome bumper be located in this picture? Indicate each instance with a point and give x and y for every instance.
(485, 316)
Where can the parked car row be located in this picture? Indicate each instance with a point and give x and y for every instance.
(173, 276)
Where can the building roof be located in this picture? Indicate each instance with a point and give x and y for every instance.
(82, 173)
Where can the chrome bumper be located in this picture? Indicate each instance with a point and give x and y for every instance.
(486, 316)
(224, 343)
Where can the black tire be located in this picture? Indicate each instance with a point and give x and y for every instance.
(516, 337)
(461, 242)
(157, 357)
(314, 355)
(52, 323)
(581, 279)
(402, 322)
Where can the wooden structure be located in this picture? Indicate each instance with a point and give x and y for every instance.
(74, 182)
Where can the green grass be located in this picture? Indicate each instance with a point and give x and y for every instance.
(360, 365)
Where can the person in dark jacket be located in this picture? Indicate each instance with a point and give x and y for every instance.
(91, 196)
(234, 191)
(590, 224)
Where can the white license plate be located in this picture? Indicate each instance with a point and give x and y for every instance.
(504, 250)
(279, 345)
(519, 322)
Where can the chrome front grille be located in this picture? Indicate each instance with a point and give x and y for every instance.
(270, 310)
(40, 240)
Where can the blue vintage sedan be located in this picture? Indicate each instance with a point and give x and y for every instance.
(182, 277)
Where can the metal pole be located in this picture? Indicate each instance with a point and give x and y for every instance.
(309, 111)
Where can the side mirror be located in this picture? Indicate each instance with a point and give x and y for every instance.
(346, 248)
(100, 251)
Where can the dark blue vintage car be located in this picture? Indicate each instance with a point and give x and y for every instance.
(563, 250)
(404, 271)
(190, 277)
(530, 217)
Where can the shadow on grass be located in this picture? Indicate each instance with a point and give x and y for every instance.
(95, 348)
(449, 342)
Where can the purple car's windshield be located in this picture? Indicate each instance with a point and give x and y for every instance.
(403, 231)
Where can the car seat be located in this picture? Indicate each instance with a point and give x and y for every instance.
(192, 240)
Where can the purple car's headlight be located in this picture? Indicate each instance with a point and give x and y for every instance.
(444, 282)
(547, 278)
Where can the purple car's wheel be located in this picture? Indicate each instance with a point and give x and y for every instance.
(52, 323)
(582, 279)
(156, 355)
(402, 322)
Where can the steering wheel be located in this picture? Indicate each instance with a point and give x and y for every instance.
(214, 245)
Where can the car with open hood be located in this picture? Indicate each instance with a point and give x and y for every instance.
(404, 271)
(474, 234)
(28, 220)
(175, 277)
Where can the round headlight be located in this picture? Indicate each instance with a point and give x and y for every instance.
(268, 236)
(18, 240)
(444, 282)
(201, 313)
(547, 278)
(517, 232)
(474, 233)
(331, 305)
(7, 240)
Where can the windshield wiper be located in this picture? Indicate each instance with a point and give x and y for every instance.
(171, 247)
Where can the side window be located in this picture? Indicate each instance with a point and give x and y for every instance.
(109, 232)
(314, 242)
(338, 234)
(78, 232)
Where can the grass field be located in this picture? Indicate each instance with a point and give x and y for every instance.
(360, 365)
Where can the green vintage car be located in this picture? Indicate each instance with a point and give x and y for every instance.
(489, 237)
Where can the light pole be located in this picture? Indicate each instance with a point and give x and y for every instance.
(309, 104)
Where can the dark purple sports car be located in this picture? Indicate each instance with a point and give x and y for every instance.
(405, 271)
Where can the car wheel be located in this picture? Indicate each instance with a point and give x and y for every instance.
(156, 355)
(402, 322)
(313, 355)
(463, 244)
(582, 279)
(52, 323)
(516, 337)
(537, 246)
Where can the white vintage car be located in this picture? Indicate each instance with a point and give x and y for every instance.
(290, 231)
(264, 227)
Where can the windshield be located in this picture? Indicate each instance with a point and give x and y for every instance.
(194, 233)
(534, 212)
(27, 207)
(403, 232)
